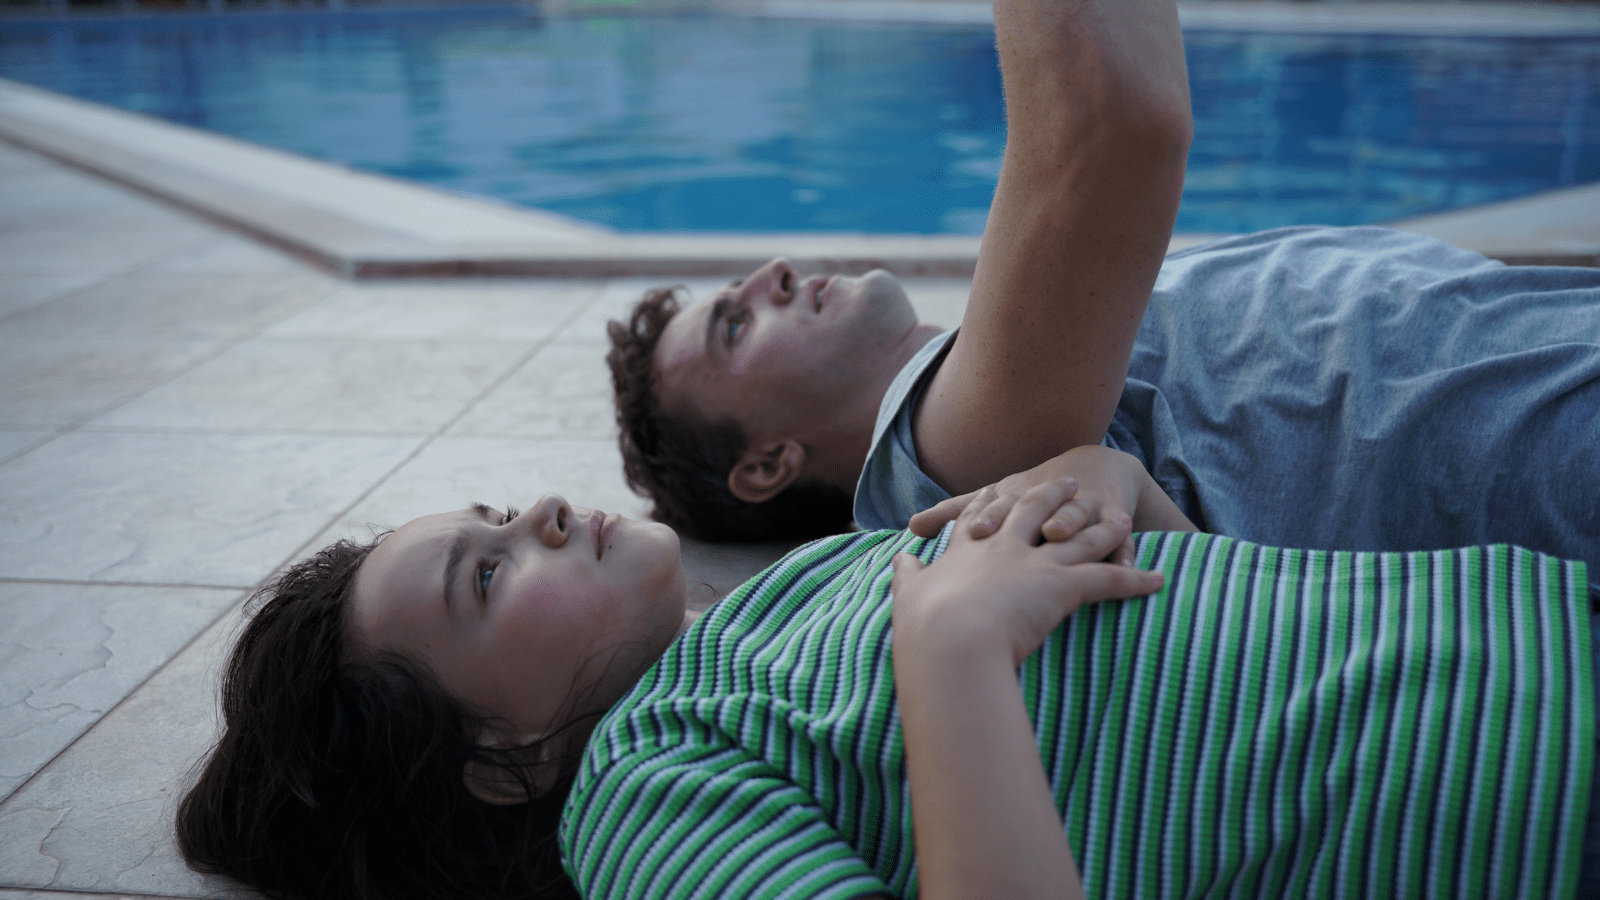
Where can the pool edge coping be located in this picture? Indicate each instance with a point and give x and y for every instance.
(363, 226)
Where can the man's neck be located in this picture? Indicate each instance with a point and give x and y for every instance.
(838, 456)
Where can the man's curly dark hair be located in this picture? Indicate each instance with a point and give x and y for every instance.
(681, 461)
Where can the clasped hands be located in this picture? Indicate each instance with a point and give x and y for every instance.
(1003, 585)
(1108, 486)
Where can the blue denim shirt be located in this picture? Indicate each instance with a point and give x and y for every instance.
(1342, 388)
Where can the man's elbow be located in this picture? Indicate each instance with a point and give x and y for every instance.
(1158, 131)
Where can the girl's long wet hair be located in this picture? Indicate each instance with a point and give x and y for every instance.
(344, 779)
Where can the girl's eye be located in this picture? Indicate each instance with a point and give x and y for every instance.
(511, 513)
(485, 574)
(735, 325)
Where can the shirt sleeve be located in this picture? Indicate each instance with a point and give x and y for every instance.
(708, 822)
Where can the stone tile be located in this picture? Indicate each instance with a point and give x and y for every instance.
(174, 305)
(209, 510)
(231, 254)
(101, 248)
(616, 300)
(54, 194)
(563, 392)
(70, 652)
(63, 381)
(15, 442)
(17, 161)
(940, 301)
(99, 817)
(455, 309)
(409, 387)
(66, 895)
(24, 292)
(452, 472)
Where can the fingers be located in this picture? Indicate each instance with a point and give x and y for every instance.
(1103, 581)
(905, 565)
(1027, 516)
(1097, 542)
(991, 506)
(929, 522)
(1065, 522)
(1124, 555)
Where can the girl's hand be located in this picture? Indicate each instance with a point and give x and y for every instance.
(1004, 591)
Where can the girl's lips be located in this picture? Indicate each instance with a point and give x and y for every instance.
(602, 526)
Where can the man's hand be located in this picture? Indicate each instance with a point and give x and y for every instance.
(1108, 485)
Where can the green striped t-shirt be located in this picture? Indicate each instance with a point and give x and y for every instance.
(1275, 723)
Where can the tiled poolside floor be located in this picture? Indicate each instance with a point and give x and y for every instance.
(181, 412)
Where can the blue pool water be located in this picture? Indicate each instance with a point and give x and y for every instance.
(747, 124)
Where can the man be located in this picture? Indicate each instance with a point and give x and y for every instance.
(1082, 213)
(1345, 388)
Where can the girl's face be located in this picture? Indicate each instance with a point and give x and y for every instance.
(533, 618)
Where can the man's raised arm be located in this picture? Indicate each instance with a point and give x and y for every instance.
(1097, 104)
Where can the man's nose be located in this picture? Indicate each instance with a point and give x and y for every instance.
(773, 282)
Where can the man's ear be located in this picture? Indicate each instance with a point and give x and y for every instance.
(766, 471)
(500, 786)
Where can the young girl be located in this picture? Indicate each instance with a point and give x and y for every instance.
(409, 719)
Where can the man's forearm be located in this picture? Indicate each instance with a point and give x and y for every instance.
(1098, 130)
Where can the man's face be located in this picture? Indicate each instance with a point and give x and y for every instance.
(779, 354)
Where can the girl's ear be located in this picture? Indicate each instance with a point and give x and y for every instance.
(498, 784)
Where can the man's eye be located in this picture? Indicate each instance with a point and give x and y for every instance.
(485, 574)
(736, 324)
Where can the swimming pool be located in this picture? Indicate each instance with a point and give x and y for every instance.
(756, 124)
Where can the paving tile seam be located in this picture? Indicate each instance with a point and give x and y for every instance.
(171, 660)
(387, 340)
(83, 582)
(114, 895)
(29, 448)
(571, 316)
(201, 431)
(117, 895)
(223, 345)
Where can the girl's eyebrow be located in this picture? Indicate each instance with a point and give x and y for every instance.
(458, 553)
(452, 569)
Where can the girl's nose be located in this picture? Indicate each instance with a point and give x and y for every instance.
(551, 516)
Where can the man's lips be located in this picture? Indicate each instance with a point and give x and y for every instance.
(818, 287)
